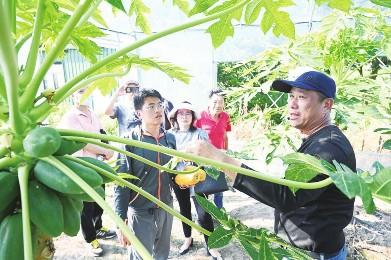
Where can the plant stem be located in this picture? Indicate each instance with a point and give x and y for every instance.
(3, 93)
(34, 48)
(40, 112)
(199, 159)
(64, 89)
(143, 193)
(61, 41)
(22, 41)
(102, 203)
(132, 155)
(7, 162)
(9, 67)
(23, 176)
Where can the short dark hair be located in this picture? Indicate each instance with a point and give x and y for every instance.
(139, 99)
(216, 91)
(321, 96)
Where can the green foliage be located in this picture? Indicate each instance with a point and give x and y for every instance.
(140, 10)
(117, 4)
(385, 3)
(380, 183)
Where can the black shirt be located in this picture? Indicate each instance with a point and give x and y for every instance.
(311, 219)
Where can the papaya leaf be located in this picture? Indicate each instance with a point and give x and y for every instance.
(387, 144)
(343, 5)
(352, 185)
(385, 3)
(212, 172)
(252, 11)
(220, 237)
(182, 5)
(377, 166)
(381, 184)
(220, 30)
(138, 8)
(265, 252)
(209, 207)
(383, 130)
(117, 4)
(201, 6)
(249, 247)
(304, 167)
(281, 20)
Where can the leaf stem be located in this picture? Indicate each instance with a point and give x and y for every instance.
(23, 175)
(132, 155)
(199, 159)
(34, 48)
(64, 89)
(143, 193)
(59, 44)
(40, 112)
(102, 203)
(9, 67)
(7, 162)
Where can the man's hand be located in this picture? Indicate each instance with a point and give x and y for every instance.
(205, 149)
(122, 238)
(121, 90)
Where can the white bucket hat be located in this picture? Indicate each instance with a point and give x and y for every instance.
(183, 105)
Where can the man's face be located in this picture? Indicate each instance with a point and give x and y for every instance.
(305, 109)
(151, 112)
(216, 104)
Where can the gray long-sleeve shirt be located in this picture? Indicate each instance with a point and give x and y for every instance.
(152, 180)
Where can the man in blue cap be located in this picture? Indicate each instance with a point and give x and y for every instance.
(310, 219)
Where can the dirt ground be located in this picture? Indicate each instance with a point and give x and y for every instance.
(369, 236)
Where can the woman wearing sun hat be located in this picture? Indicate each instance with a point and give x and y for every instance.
(182, 118)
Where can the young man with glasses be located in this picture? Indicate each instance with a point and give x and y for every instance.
(151, 224)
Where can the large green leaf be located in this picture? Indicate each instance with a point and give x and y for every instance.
(212, 209)
(386, 3)
(249, 247)
(117, 4)
(265, 252)
(220, 30)
(201, 6)
(281, 20)
(252, 11)
(381, 184)
(138, 8)
(182, 4)
(304, 167)
(220, 237)
(352, 185)
(387, 144)
(343, 5)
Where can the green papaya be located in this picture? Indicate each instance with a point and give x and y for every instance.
(101, 165)
(46, 210)
(86, 197)
(11, 237)
(71, 215)
(69, 147)
(57, 180)
(42, 142)
(9, 189)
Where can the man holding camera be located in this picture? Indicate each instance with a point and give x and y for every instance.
(124, 110)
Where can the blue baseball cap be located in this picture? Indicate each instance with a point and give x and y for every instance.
(310, 80)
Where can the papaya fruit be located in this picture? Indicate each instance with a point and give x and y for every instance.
(11, 237)
(46, 211)
(190, 179)
(86, 197)
(71, 214)
(42, 142)
(69, 147)
(101, 165)
(9, 189)
(57, 180)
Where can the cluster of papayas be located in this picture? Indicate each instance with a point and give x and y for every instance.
(55, 201)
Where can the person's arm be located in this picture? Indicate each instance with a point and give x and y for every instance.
(225, 141)
(110, 111)
(227, 129)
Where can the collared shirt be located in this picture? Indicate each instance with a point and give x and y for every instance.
(77, 120)
(216, 129)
